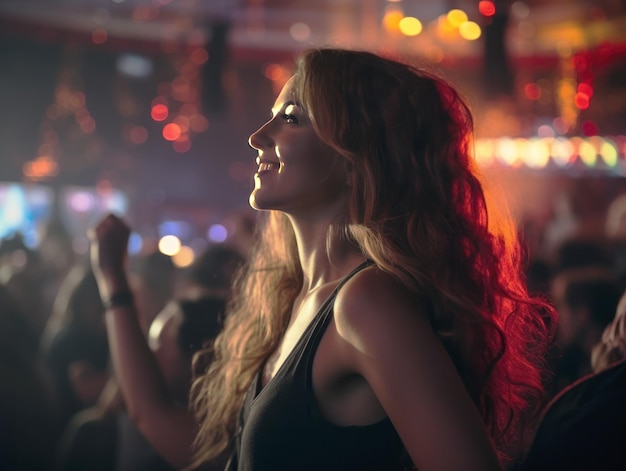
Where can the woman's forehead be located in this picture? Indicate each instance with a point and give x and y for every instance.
(287, 94)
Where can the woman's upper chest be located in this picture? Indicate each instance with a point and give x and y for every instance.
(304, 313)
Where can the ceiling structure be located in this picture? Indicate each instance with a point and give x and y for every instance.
(536, 25)
(49, 45)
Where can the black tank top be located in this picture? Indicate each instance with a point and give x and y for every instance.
(283, 430)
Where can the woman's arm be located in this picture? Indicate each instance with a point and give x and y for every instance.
(387, 339)
(169, 429)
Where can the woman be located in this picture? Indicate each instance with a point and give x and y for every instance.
(381, 322)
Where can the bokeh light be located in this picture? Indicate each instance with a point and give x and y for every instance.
(217, 233)
(199, 56)
(587, 153)
(532, 91)
(487, 8)
(391, 20)
(410, 26)
(171, 131)
(456, 17)
(159, 112)
(99, 36)
(470, 30)
(169, 245)
(184, 257)
(300, 31)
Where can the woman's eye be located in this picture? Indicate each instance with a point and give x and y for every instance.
(289, 118)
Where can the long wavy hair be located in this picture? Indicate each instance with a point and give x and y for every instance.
(418, 210)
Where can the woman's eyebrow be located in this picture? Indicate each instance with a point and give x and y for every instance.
(285, 105)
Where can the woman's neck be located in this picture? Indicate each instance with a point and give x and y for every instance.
(325, 253)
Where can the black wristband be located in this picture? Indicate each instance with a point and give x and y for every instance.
(121, 299)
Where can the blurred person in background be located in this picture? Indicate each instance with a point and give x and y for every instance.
(583, 426)
(612, 346)
(74, 343)
(23, 275)
(57, 255)
(142, 434)
(29, 424)
(211, 273)
(241, 226)
(615, 229)
(586, 300)
(151, 277)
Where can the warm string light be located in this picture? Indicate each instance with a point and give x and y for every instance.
(67, 112)
(450, 26)
(595, 152)
(177, 105)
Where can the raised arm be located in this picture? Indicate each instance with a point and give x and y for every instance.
(169, 429)
(387, 338)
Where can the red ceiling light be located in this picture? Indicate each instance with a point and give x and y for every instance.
(171, 132)
(532, 91)
(159, 112)
(487, 8)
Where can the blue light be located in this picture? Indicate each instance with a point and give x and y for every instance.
(135, 242)
(217, 233)
(180, 229)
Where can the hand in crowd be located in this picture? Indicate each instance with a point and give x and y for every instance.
(109, 242)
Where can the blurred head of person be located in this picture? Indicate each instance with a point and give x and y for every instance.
(74, 342)
(212, 273)
(182, 328)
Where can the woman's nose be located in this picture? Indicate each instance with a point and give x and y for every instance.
(260, 139)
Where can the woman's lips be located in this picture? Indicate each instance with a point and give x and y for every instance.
(267, 166)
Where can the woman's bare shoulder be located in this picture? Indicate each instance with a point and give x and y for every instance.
(375, 301)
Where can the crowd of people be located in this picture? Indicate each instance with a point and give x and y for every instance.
(385, 315)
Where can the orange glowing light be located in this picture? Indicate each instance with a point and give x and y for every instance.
(41, 168)
(159, 112)
(274, 72)
(391, 20)
(581, 101)
(487, 8)
(171, 132)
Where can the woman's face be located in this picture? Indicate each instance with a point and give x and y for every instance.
(295, 168)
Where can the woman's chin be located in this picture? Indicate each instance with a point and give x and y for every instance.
(256, 202)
